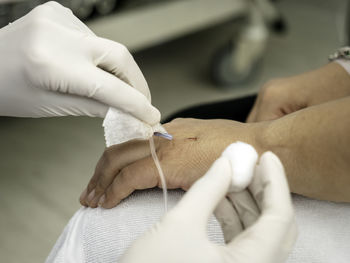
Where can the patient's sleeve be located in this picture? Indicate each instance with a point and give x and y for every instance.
(344, 63)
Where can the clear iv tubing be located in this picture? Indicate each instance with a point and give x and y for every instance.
(160, 171)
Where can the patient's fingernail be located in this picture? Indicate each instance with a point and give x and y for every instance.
(83, 195)
(91, 196)
(102, 200)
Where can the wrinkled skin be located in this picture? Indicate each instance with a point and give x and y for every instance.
(196, 145)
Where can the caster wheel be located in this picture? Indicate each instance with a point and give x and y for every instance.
(223, 72)
(19, 9)
(279, 26)
(83, 9)
(105, 7)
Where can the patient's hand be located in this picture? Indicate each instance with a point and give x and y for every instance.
(195, 145)
(283, 96)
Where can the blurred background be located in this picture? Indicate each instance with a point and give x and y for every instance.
(190, 51)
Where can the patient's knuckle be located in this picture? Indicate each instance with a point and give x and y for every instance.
(110, 192)
(114, 194)
(270, 90)
(95, 178)
(108, 156)
(124, 175)
(177, 120)
(175, 124)
(103, 183)
(92, 184)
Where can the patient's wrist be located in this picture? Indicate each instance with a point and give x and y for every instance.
(251, 133)
(330, 82)
(278, 136)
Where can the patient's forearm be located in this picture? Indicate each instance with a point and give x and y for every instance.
(314, 146)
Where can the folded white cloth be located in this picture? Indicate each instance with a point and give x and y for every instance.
(324, 231)
(102, 235)
(344, 63)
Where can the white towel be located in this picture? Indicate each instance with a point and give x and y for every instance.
(103, 235)
(324, 232)
(99, 235)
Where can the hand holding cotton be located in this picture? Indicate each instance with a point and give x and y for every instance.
(54, 65)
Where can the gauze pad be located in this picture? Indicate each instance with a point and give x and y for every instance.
(121, 127)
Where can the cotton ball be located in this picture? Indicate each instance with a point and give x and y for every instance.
(243, 158)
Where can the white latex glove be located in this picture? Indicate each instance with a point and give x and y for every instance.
(181, 235)
(51, 64)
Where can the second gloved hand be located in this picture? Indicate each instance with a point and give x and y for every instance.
(267, 227)
(53, 65)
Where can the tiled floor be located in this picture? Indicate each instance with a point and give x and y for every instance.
(45, 163)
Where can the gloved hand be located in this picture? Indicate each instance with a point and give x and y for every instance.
(265, 213)
(53, 65)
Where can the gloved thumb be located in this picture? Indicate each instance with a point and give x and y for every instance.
(202, 198)
(233, 171)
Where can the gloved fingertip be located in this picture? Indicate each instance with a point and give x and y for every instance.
(271, 157)
(153, 117)
(102, 112)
